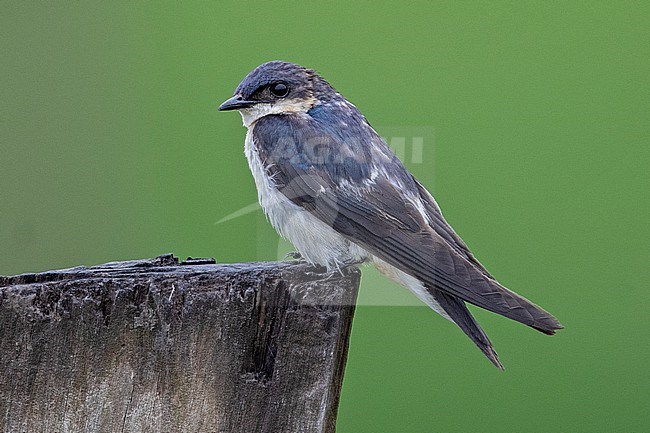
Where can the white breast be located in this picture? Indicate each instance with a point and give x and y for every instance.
(316, 242)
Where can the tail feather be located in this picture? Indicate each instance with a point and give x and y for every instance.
(460, 315)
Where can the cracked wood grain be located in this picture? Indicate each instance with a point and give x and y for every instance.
(159, 346)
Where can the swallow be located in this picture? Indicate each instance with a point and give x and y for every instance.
(331, 186)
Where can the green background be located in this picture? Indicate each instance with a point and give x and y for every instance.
(112, 148)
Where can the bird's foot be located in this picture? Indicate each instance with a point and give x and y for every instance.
(351, 264)
(294, 255)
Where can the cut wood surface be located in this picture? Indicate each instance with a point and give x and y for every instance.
(161, 346)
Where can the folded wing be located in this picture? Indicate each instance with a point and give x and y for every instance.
(382, 211)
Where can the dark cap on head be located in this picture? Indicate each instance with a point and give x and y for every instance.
(277, 79)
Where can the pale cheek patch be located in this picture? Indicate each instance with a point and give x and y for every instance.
(284, 106)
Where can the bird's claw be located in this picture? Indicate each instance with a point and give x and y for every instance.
(295, 255)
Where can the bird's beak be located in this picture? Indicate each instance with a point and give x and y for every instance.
(235, 103)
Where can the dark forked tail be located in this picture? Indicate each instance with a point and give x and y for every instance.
(458, 312)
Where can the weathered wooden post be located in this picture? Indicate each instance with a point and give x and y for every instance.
(160, 346)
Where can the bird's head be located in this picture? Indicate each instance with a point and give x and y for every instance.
(278, 88)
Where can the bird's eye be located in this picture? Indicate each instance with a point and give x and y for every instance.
(279, 89)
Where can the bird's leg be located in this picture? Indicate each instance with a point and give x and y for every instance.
(340, 267)
(349, 264)
(294, 255)
(352, 263)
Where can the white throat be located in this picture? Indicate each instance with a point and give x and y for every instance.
(285, 106)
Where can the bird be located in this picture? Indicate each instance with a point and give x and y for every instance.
(330, 185)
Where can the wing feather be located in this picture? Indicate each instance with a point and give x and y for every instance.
(378, 213)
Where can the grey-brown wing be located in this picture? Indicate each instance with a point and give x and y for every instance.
(377, 213)
(439, 224)
(381, 220)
